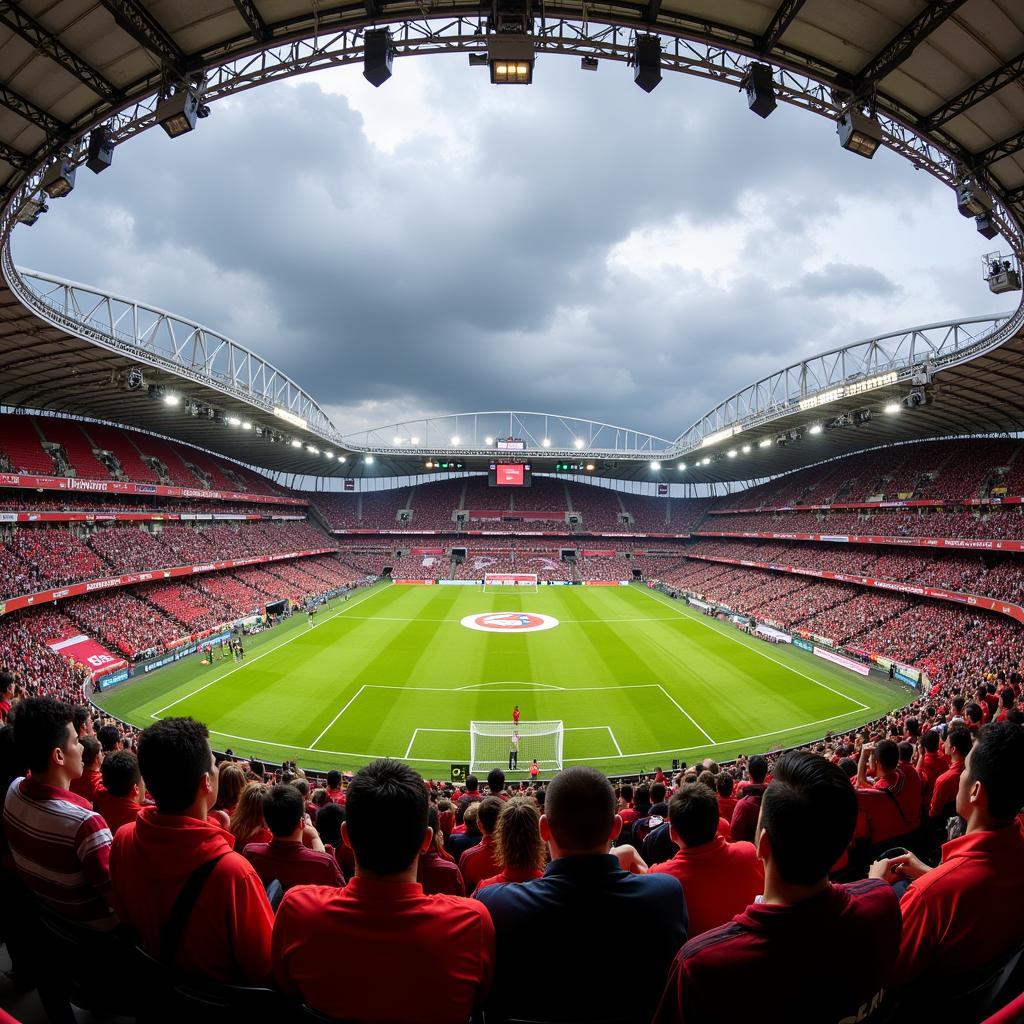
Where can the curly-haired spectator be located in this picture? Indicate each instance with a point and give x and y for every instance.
(518, 847)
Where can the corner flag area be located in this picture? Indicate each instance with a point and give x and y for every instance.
(636, 678)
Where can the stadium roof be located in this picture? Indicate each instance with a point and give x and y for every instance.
(944, 77)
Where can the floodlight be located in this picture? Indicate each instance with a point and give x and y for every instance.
(396, 440)
(296, 443)
(655, 466)
(246, 425)
(414, 440)
(588, 63)
(746, 449)
(59, 179)
(765, 442)
(815, 428)
(328, 455)
(101, 150)
(478, 60)
(511, 58)
(312, 449)
(455, 440)
(378, 56)
(647, 62)
(546, 443)
(234, 421)
(341, 458)
(986, 225)
(177, 113)
(171, 399)
(859, 133)
(893, 407)
(368, 460)
(590, 467)
(705, 461)
(32, 209)
(488, 440)
(760, 89)
(579, 442)
(682, 465)
(731, 453)
(430, 465)
(972, 200)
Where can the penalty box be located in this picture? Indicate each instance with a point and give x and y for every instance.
(432, 723)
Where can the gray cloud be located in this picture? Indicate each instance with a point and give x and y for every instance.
(578, 246)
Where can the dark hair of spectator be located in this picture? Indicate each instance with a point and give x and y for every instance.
(120, 771)
(174, 755)
(283, 809)
(658, 792)
(906, 751)
(386, 816)
(333, 779)
(960, 740)
(517, 841)
(489, 812)
(626, 792)
(580, 808)
(328, 823)
(973, 712)
(724, 783)
(495, 780)
(90, 750)
(80, 716)
(809, 812)
(693, 812)
(887, 753)
(997, 762)
(40, 727)
(472, 783)
(109, 737)
(757, 768)
(931, 741)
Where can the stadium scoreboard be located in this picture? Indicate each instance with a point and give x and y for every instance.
(509, 474)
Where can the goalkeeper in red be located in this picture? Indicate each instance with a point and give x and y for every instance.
(515, 715)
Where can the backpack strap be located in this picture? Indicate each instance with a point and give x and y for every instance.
(174, 927)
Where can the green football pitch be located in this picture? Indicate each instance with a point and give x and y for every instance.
(636, 678)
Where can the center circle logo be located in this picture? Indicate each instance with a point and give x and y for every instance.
(509, 622)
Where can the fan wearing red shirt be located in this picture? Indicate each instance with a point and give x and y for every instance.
(117, 797)
(625, 804)
(85, 785)
(719, 879)
(931, 763)
(744, 815)
(958, 746)
(478, 861)
(6, 695)
(334, 791)
(808, 950)
(724, 784)
(436, 871)
(226, 935)
(336, 949)
(519, 849)
(965, 914)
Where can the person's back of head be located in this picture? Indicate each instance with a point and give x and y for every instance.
(705, 778)
(302, 786)
(470, 818)
(283, 810)
(495, 780)
(517, 840)
(175, 758)
(386, 817)
(993, 781)
(91, 751)
(724, 783)
(472, 783)
(906, 751)
(247, 819)
(230, 783)
(959, 740)
(626, 793)
(120, 772)
(109, 737)
(693, 814)
(887, 753)
(328, 823)
(1006, 698)
(757, 768)
(333, 779)
(658, 792)
(41, 727)
(642, 798)
(931, 741)
(848, 767)
(579, 811)
(488, 812)
(912, 727)
(808, 815)
(973, 713)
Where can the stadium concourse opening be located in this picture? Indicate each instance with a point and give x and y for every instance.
(284, 744)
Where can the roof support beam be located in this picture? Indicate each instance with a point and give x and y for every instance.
(33, 33)
(899, 48)
(975, 93)
(1016, 196)
(1014, 144)
(784, 14)
(33, 114)
(14, 157)
(134, 19)
(653, 10)
(257, 26)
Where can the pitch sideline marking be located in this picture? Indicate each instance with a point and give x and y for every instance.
(276, 647)
(703, 731)
(750, 647)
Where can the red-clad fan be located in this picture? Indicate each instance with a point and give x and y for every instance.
(437, 871)
(958, 746)
(744, 815)
(171, 852)
(719, 879)
(519, 849)
(811, 950)
(330, 944)
(966, 913)
(86, 783)
(117, 797)
(478, 862)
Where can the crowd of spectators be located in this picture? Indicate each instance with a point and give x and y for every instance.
(125, 623)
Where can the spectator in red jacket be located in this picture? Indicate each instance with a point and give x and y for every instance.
(478, 863)
(958, 746)
(724, 784)
(744, 815)
(811, 951)
(719, 879)
(519, 849)
(331, 945)
(437, 871)
(226, 934)
(287, 858)
(966, 913)
(118, 796)
(86, 783)
(931, 762)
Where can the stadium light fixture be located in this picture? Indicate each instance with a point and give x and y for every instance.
(511, 58)
(765, 442)
(246, 425)
(488, 440)
(655, 466)
(177, 113)
(588, 63)
(682, 465)
(746, 449)
(32, 209)
(171, 398)
(892, 408)
(647, 62)
(546, 443)
(342, 458)
(815, 428)
(378, 56)
(760, 89)
(579, 442)
(312, 449)
(296, 443)
(971, 200)
(328, 455)
(101, 150)
(986, 226)
(368, 460)
(590, 467)
(430, 465)
(455, 440)
(478, 60)
(731, 453)
(414, 440)
(859, 133)
(234, 421)
(59, 179)
(396, 440)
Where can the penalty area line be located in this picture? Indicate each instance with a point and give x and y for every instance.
(700, 728)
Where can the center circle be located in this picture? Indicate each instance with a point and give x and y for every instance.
(509, 622)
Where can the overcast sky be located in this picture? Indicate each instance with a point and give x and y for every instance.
(577, 246)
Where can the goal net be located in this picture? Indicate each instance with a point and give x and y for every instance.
(501, 582)
(491, 745)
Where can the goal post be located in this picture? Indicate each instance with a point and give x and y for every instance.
(490, 744)
(503, 582)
